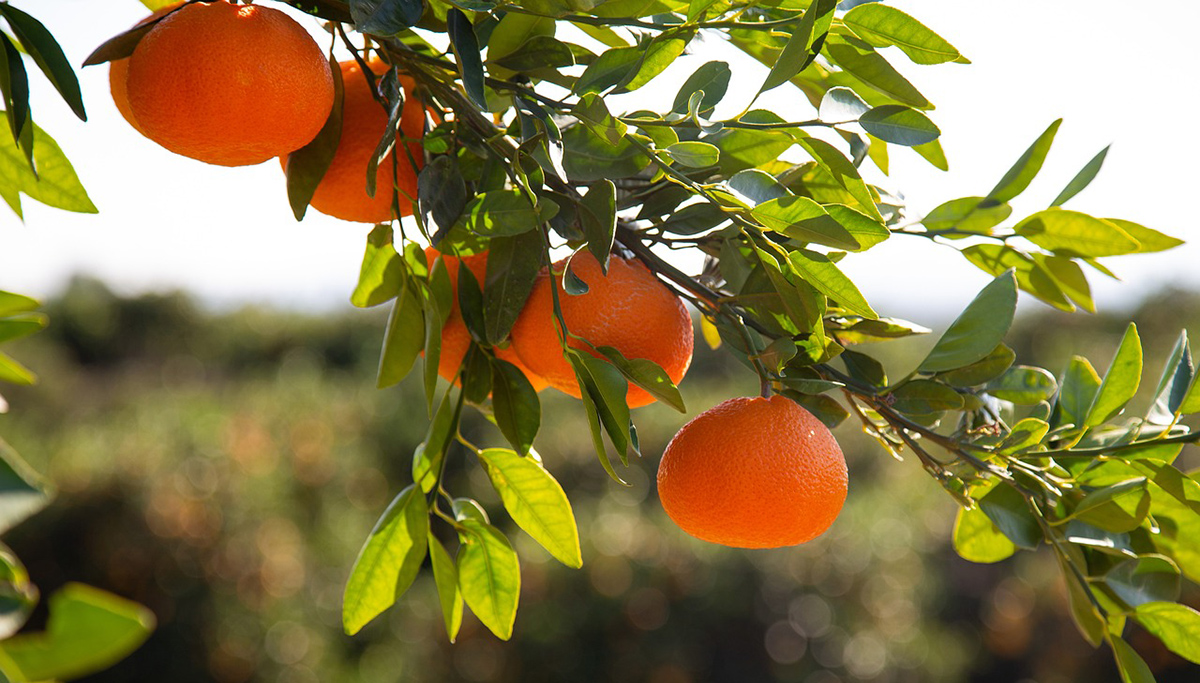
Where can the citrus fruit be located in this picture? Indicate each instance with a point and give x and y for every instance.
(118, 74)
(231, 85)
(456, 339)
(753, 473)
(629, 309)
(342, 192)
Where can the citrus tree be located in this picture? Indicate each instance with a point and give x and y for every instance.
(525, 233)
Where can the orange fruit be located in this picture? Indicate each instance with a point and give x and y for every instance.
(456, 339)
(629, 309)
(753, 473)
(118, 74)
(342, 192)
(231, 85)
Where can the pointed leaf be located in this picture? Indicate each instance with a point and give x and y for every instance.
(1120, 382)
(1023, 171)
(976, 538)
(825, 277)
(489, 576)
(1177, 626)
(977, 331)
(882, 25)
(1081, 179)
(466, 50)
(445, 575)
(1070, 232)
(389, 560)
(47, 54)
(899, 125)
(515, 403)
(536, 502)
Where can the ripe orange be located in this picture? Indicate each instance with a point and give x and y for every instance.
(118, 74)
(231, 85)
(753, 473)
(456, 339)
(342, 192)
(629, 309)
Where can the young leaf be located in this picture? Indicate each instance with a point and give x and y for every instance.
(389, 560)
(47, 54)
(1022, 173)
(466, 49)
(1120, 382)
(445, 576)
(55, 184)
(976, 538)
(899, 125)
(882, 25)
(536, 502)
(489, 576)
(89, 630)
(515, 404)
(977, 331)
(1148, 239)
(1081, 179)
(1177, 626)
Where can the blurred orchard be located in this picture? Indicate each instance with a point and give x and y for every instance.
(220, 468)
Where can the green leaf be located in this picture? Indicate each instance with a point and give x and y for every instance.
(861, 61)
(1149, 240)
(428, 457)
(609, 69)
(1120, 382)
(1079, 387)
(389, 560)
(804, 220)
(385, 17)
(13, 372)
(22, 492)
(1025, 434)
(655, 58)
(820, 272)
(865, 230)
(977, 331)
(881, 26)
(441, 193)
(54, 185)
(1009, 512)
(499, 213)
(1148, 578)
(589, 157)
(466, 50)
(976, 538)
(536, 503)
(403, 339)
(512, 270)
(967, 214)
(88, 631)
(934, 154)
(515, 403)
(1177, 375)
(18, 596)
(866, 330)
(757, 186)
(1177, 626)
(1118, 508)
(536, 54)
(1070, 232)
(445, 576)
(1024, 385)
(799, 53)
(1081, 179)
(382, 271)
(608, 389)
(593, 113)
(989, 367)
(1132, 667)
(515, 30)
(586, 389)
(305, 167)
(824, 408)
(1022, 173)
(1069, 277)
(712, 79)
(47, 54)
(489, 576)
(695, 154)
(11, 304)
(841, 105)
(646, 374)
(598, 219)
(925, 397)
(899, 125)
(20, 326)
(843, 172)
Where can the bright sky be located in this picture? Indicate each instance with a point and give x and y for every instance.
(1116, 75)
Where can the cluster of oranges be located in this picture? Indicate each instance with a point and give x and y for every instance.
(751, 472)
(236, 85)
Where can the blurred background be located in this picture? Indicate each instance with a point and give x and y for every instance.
(224, 468)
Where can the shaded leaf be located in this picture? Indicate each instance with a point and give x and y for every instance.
(513, 266)
(22, 492)
(1025, 385)
(47, 54)
(445, 575)
(899, 125)
(515, 403)
(466, 50)
(1009, 512)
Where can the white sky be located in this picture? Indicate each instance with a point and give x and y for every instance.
(1115, 74)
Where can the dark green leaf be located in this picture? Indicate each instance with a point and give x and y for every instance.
(864, 368)
(646, 374)
(609, 69)
(881, 26)
(466, 49)
(598, 219)
(536, 503)
(14, 89)
(441, 192)
(824, 408)
(385, 17)
(655, 58)
(47, 54)
(445, 575)
(1149, 578)
(121, 45)
(513, 265)
(88, 631)
(1120, 382)
(389, 560)
(1081, 179)
(757, 186)
(977, 331)
(1177, 376)
(1177, 626)
(404, 338)
(1118, 508)
(925, 397)
(515, 403)
(866, 330)
(489, 576)
(899, 125)
(1024, 385)
(1022, 173)
(593, 113)
(539, 52)
(976, 538)
(1009, 512)
(22, 492)
(608, 388)
(499, 213)
(306, 166)
(589, 157)
(989, 367)
(694, 219)
(799, 52)
(712, 78)
(1132, 667)
(843, 172)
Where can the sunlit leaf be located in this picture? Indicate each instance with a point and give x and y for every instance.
(536, 502)
(977, 331)
(1027, 166)
(489, 576)
(389, 560)
(445, 575)
(1177, 626)
(1120, 382)
(882, 25)
(1081, 179)
(976, 538)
